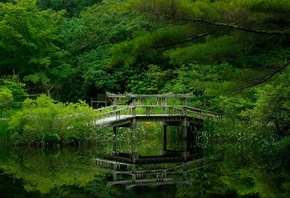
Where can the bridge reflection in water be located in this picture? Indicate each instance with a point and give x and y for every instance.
(171, 166)
(166, 169)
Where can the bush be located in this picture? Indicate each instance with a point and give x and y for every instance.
(46, 121)
(6, 98)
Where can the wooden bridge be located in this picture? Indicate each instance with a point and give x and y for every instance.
(128, 110)
(118, 115)
(154, 108)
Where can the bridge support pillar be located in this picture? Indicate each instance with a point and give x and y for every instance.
(134, 126)
(115, 172)
(185, 146)
(133, 141)
(184, 172)
(114, 139)
(164, 137)
(133, 174)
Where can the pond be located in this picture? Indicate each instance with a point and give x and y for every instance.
(105, 170)
(63, 173)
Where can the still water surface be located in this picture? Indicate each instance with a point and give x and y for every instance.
(70, 172)
(86, 172)
(63, 173)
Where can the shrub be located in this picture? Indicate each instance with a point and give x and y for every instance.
(6, 98)
(46, 121)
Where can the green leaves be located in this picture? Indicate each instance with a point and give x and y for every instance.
(6, 97)
(37, 77)
(90, 38)
(45, 120)
(30, 43)
(272, 106)
(11, 91)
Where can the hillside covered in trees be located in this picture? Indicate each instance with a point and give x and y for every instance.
(233, 55)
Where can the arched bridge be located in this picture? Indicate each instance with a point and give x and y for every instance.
(151, 108)
(165, 108)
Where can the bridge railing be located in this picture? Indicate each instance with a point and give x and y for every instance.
(114, 110)
(161, 107)
(192, 111)
(151, 110)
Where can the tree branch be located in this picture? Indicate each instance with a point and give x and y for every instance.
(233, 26)
(184, 41)
(266, 77)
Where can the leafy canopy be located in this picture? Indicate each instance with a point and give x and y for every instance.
(31, 44)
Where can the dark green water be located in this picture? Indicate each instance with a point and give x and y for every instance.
(63, 173)
(77, 172)
(73, 172)
(210, 168)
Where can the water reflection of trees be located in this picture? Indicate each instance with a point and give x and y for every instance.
(62, 173)
(44, 170)
(73, 172)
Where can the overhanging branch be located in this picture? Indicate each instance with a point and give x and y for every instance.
(233, 26)
(266, 77)
(184, 41)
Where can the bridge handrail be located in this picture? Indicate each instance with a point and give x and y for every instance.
(143, 96)
(116, 110)
(130, 107)
(205, 112)
(110, 107)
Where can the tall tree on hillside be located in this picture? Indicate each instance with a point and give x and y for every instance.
(31, 44)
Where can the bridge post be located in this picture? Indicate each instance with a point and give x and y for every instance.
(115, 106)
(134, 125)
(114, 139)
(164, 137)
(185, 140)
(134, 173)
(115, 171)
(185, 129)
(165, 105)
(185, 106)
(134, 107)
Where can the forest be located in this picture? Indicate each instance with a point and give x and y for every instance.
(233, 55)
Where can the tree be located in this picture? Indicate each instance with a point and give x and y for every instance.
(250, 35)
(89, 38)
(72, 7)
(31, 44)
(272, 107)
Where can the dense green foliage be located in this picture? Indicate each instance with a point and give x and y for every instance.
(31, 45)
(232, 54)
(45, 121)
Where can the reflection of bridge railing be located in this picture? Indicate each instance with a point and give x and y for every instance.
(151, 112)
(152, 174)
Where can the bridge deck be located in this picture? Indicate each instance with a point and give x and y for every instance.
(126, 120)
(137, 111)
